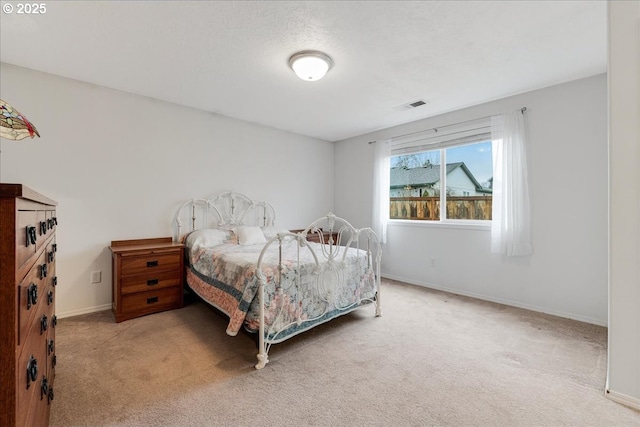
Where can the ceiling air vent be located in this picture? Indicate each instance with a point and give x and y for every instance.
(412, 105)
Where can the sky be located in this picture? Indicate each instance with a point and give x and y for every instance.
(477, 157)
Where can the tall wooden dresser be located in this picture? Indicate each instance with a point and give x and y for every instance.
(27, 305)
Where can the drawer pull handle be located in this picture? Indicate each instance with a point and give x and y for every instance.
(54, 320)
(152, 263)
(32, 295)
(51, 256)
(31, 235)
(54, 361)
(50, 395)
(32, 371)
(152, 300)
(55, 281)
(44, 324)
(54, 247)
(50, 347)
(43, 271)
(43, 228)
(152, 282)
(49, 297)
(44, 388)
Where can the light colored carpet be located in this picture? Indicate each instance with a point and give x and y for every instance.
(432, 359)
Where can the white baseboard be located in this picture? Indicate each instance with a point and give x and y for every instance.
(572, 316)
(83, 311)
(623, 399)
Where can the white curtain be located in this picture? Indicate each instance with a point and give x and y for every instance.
(511, 216)
(381, 173)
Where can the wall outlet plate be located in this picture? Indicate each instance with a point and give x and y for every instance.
(96, 276)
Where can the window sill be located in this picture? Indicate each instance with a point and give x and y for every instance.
(459, 224)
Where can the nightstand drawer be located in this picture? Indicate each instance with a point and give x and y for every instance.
(150, 263)
(152, 301)
(150, 281)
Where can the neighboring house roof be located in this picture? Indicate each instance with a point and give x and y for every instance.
(427, 176)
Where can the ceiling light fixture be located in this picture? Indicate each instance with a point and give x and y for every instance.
(310, 65)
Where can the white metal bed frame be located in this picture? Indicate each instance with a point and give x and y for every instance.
(229, 208)
(235, 209)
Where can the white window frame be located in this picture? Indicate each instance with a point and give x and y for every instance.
(467, 133)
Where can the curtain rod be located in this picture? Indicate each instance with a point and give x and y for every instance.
(522, 110)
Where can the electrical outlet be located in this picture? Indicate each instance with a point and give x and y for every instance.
(96, 276)
(433, 262)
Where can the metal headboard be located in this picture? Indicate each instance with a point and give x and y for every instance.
(223, 210)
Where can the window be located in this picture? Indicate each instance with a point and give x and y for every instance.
(419, 185)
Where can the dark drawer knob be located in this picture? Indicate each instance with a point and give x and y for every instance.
(54, 247)
(32, 295)
(50, 395)
(51, 256)
(50, 347)
(54, 320)
(152, 282)
(49, 297)
(31, 235)
(44, 324)
(32, 370)
(55, 220)
(44, 388)
(152, 263)
(43, 271)
(55, 281)
(152, 300)
(43, 228)
(54, 361)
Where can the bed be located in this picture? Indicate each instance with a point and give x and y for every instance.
(268, 280)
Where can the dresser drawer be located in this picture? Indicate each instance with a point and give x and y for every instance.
(150, 263)
(52, 220)
(25, 248)
(150, 281)
(152, 301)
(30, 391)
(31, 297)
(50, 350)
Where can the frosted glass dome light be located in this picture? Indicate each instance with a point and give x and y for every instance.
(310, 65)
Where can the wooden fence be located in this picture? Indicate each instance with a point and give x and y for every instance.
(428, 208)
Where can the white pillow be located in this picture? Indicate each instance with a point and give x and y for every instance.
(271, 231)
(208, 237)
(249, 235)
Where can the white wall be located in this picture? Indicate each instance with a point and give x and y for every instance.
(120, 164)
(623, 382)
(567, 274)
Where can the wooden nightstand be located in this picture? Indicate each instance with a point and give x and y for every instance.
(315, 237)
(147, 276)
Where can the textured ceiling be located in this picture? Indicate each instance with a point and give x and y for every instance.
(231, 58)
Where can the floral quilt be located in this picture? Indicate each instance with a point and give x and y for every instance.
(301, 295)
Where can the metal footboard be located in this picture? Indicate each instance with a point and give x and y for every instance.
(356, 248)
